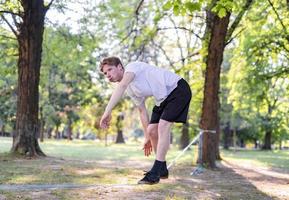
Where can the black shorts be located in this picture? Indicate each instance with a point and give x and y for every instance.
(175, 107)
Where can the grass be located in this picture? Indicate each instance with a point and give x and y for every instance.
(131, 151)
(269, 159)
(90, 162)
(58, 170)
(91, 150)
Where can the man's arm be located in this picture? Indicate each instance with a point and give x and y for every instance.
(147, 147)
(144, 118)
(115, 98)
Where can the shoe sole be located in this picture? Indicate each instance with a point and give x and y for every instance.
(164, 177)
(147, 183)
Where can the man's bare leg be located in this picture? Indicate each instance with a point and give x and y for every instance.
(159, 169)
(164, 129)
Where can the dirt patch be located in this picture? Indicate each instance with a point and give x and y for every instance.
(230, 181)
(274, 182)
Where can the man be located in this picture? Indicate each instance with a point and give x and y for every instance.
(172, 95)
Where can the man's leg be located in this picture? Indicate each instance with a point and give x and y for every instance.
(164, 130)
(159, 169)
(153, 133)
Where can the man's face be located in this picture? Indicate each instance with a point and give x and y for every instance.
(113, 73)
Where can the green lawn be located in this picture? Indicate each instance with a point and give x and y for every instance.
(90, 162)
(79, 162)
(276, 158)
(91, 150)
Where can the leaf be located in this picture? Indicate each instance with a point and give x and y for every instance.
(168, 5)
(222, 12)
(176, 9)
(157, 18)
(192, 6)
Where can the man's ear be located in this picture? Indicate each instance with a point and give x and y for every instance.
(120, 66)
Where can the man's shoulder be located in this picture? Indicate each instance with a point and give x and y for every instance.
(136, 66)
(136, 63)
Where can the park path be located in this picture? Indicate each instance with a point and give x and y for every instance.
(230, 181)
(30, 187)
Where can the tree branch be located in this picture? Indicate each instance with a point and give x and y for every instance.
(138, 7)
(7, 37)
(233, 37)
(9, 12)
(179, 27)
(278, 16)
(278, 73)
(165, 54)
(49, 4)
(10, 26)
(237, 20)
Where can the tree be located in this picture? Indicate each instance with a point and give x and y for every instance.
(29, 22)
(119, 126)
(261, 82)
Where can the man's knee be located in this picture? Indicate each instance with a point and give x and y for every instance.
(164, 127)
(152, 131)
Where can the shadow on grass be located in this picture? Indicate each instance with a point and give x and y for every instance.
(118, 182)
(268, 175)
(276, 160)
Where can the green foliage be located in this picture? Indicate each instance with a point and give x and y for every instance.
(11, 6)
(182, 7)
(223, 6)
(8, 78)
(258, 76)
(66, 84)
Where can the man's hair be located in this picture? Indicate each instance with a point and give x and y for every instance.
(115, 61)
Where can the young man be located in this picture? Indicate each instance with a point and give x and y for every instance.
(172, 96)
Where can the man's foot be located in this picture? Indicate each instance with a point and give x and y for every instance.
(150, 178)
(164, 174)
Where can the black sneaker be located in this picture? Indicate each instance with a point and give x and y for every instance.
(150, 178)
(164, 174)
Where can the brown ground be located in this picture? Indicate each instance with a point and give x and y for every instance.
(230, 181)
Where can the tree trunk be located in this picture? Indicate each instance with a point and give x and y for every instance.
(218, 134)
(227, 134)
(119, 126)
(185, 138)
(57, 133)
(209, 117)
(30, 39)
(69, 130)
(42, 124)
(2, 131)
(280, 144)
(49, 132)
(267, 141)
(119, 138)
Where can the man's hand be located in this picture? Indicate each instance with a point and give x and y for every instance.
(105, 120)
(147, 147)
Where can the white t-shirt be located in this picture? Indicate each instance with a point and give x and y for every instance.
(150, 81)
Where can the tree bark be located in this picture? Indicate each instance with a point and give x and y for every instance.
(42, 124)
(69, 129)
(30, 40)
(227, 134)
(209, 117)
(119, 126)
(185, 138)
(267, 141)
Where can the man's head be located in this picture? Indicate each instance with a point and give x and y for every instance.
(112, 68)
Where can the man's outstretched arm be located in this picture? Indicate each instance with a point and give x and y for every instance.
(144, 118)
(147, 147)
(115, 98)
